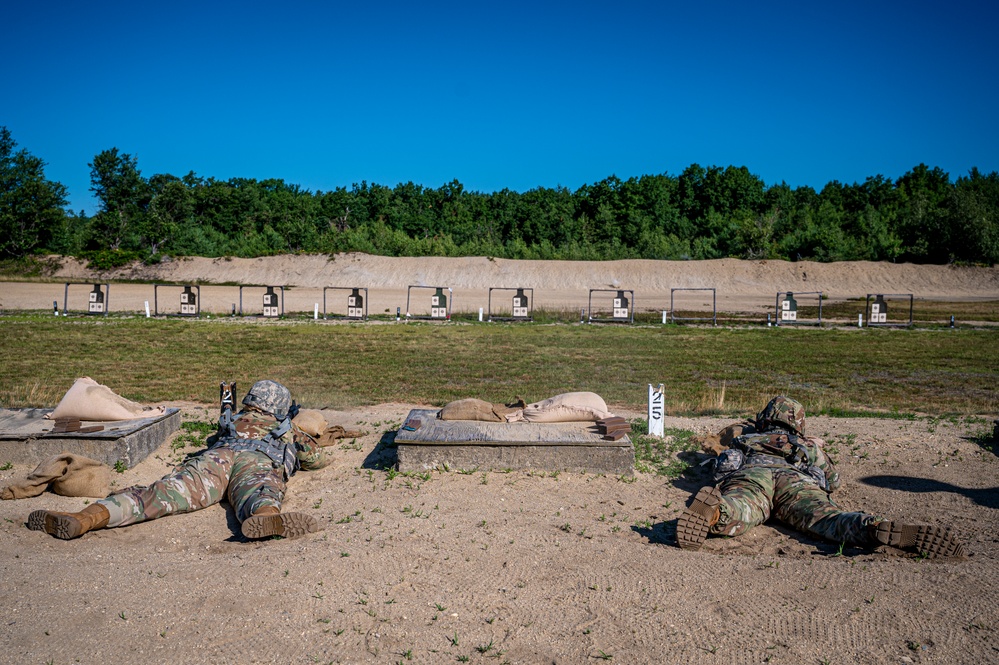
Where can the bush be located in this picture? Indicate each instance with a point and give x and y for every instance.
(109, 259)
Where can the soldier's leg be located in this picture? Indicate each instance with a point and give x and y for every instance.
(747, 500)
(256, 483)
(197, 483)
(739, 503)
(256, 491)
(806, 506)
(801, 503)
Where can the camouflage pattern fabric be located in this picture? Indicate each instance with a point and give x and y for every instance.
(252, 423)
(756, 491)
(269, 396)
(784, 412)
(772, 448)
(751, 495)
(250, 480)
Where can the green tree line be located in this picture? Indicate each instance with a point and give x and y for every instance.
(703, 213)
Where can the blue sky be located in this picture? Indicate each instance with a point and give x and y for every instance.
(501, 95)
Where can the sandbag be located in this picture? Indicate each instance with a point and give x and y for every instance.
(311, 422)
(717, 443)
(564, 408)
(68, 474)
(476, 409)
(89, 400)
(334, 433)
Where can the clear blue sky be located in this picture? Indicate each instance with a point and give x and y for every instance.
(501, 95)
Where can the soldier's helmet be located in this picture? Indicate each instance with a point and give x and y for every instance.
(269, 396)
(782, 412)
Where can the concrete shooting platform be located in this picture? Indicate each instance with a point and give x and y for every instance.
(469, 444)
(26, 437)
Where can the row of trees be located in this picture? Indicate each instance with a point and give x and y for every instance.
(703, 213)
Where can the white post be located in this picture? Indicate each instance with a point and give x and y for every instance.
(315, 312)
(147, 309)
(860, 320)
(657, 410)
(480, 315)
(664, 317)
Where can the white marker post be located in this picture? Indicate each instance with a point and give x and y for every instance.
(480, 315)
(657, 410)
(315, 313)
(147, 309)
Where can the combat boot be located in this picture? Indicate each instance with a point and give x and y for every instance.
(270, 521)
(69, 525)
(696, 521)
(924, 539)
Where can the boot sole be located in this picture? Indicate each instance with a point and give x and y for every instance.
(693, 525)
(60, 526)
(287, 525)
(924, 539)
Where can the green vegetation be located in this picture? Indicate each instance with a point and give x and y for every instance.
(706, 370)
(703, 213)
(660, 455)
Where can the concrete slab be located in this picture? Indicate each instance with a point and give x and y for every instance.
(465, 444)
(26, 437)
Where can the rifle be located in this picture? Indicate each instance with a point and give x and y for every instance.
(227, 397)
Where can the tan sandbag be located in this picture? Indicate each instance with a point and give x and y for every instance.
(311, 422)
(68, 474)
(89, 400)
(476, 409)
(716, 443)
(334, 433)
(564, 408)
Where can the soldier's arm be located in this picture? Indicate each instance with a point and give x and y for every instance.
(825, 463)
(310, 455)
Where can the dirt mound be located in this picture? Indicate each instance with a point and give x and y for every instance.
(740, 286)
(731, 277)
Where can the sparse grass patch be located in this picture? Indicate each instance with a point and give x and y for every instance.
(659, 455)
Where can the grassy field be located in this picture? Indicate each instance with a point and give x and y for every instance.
(706, 370)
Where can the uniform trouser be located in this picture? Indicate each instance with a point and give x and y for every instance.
(249, 479)
(751, 495)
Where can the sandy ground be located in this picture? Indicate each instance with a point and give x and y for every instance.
(739, 286)
(516, 567)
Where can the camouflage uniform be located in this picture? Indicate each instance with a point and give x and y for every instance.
(777, 470)
(249, 479)
(768, 485)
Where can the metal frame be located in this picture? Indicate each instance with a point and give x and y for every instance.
(489, 303)
(156, 308)
(796, 322)
(867, 310)
(450, 302)
(589, 307)
(714, 306)
(260, 287)
(346, 288)
(107, 295)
